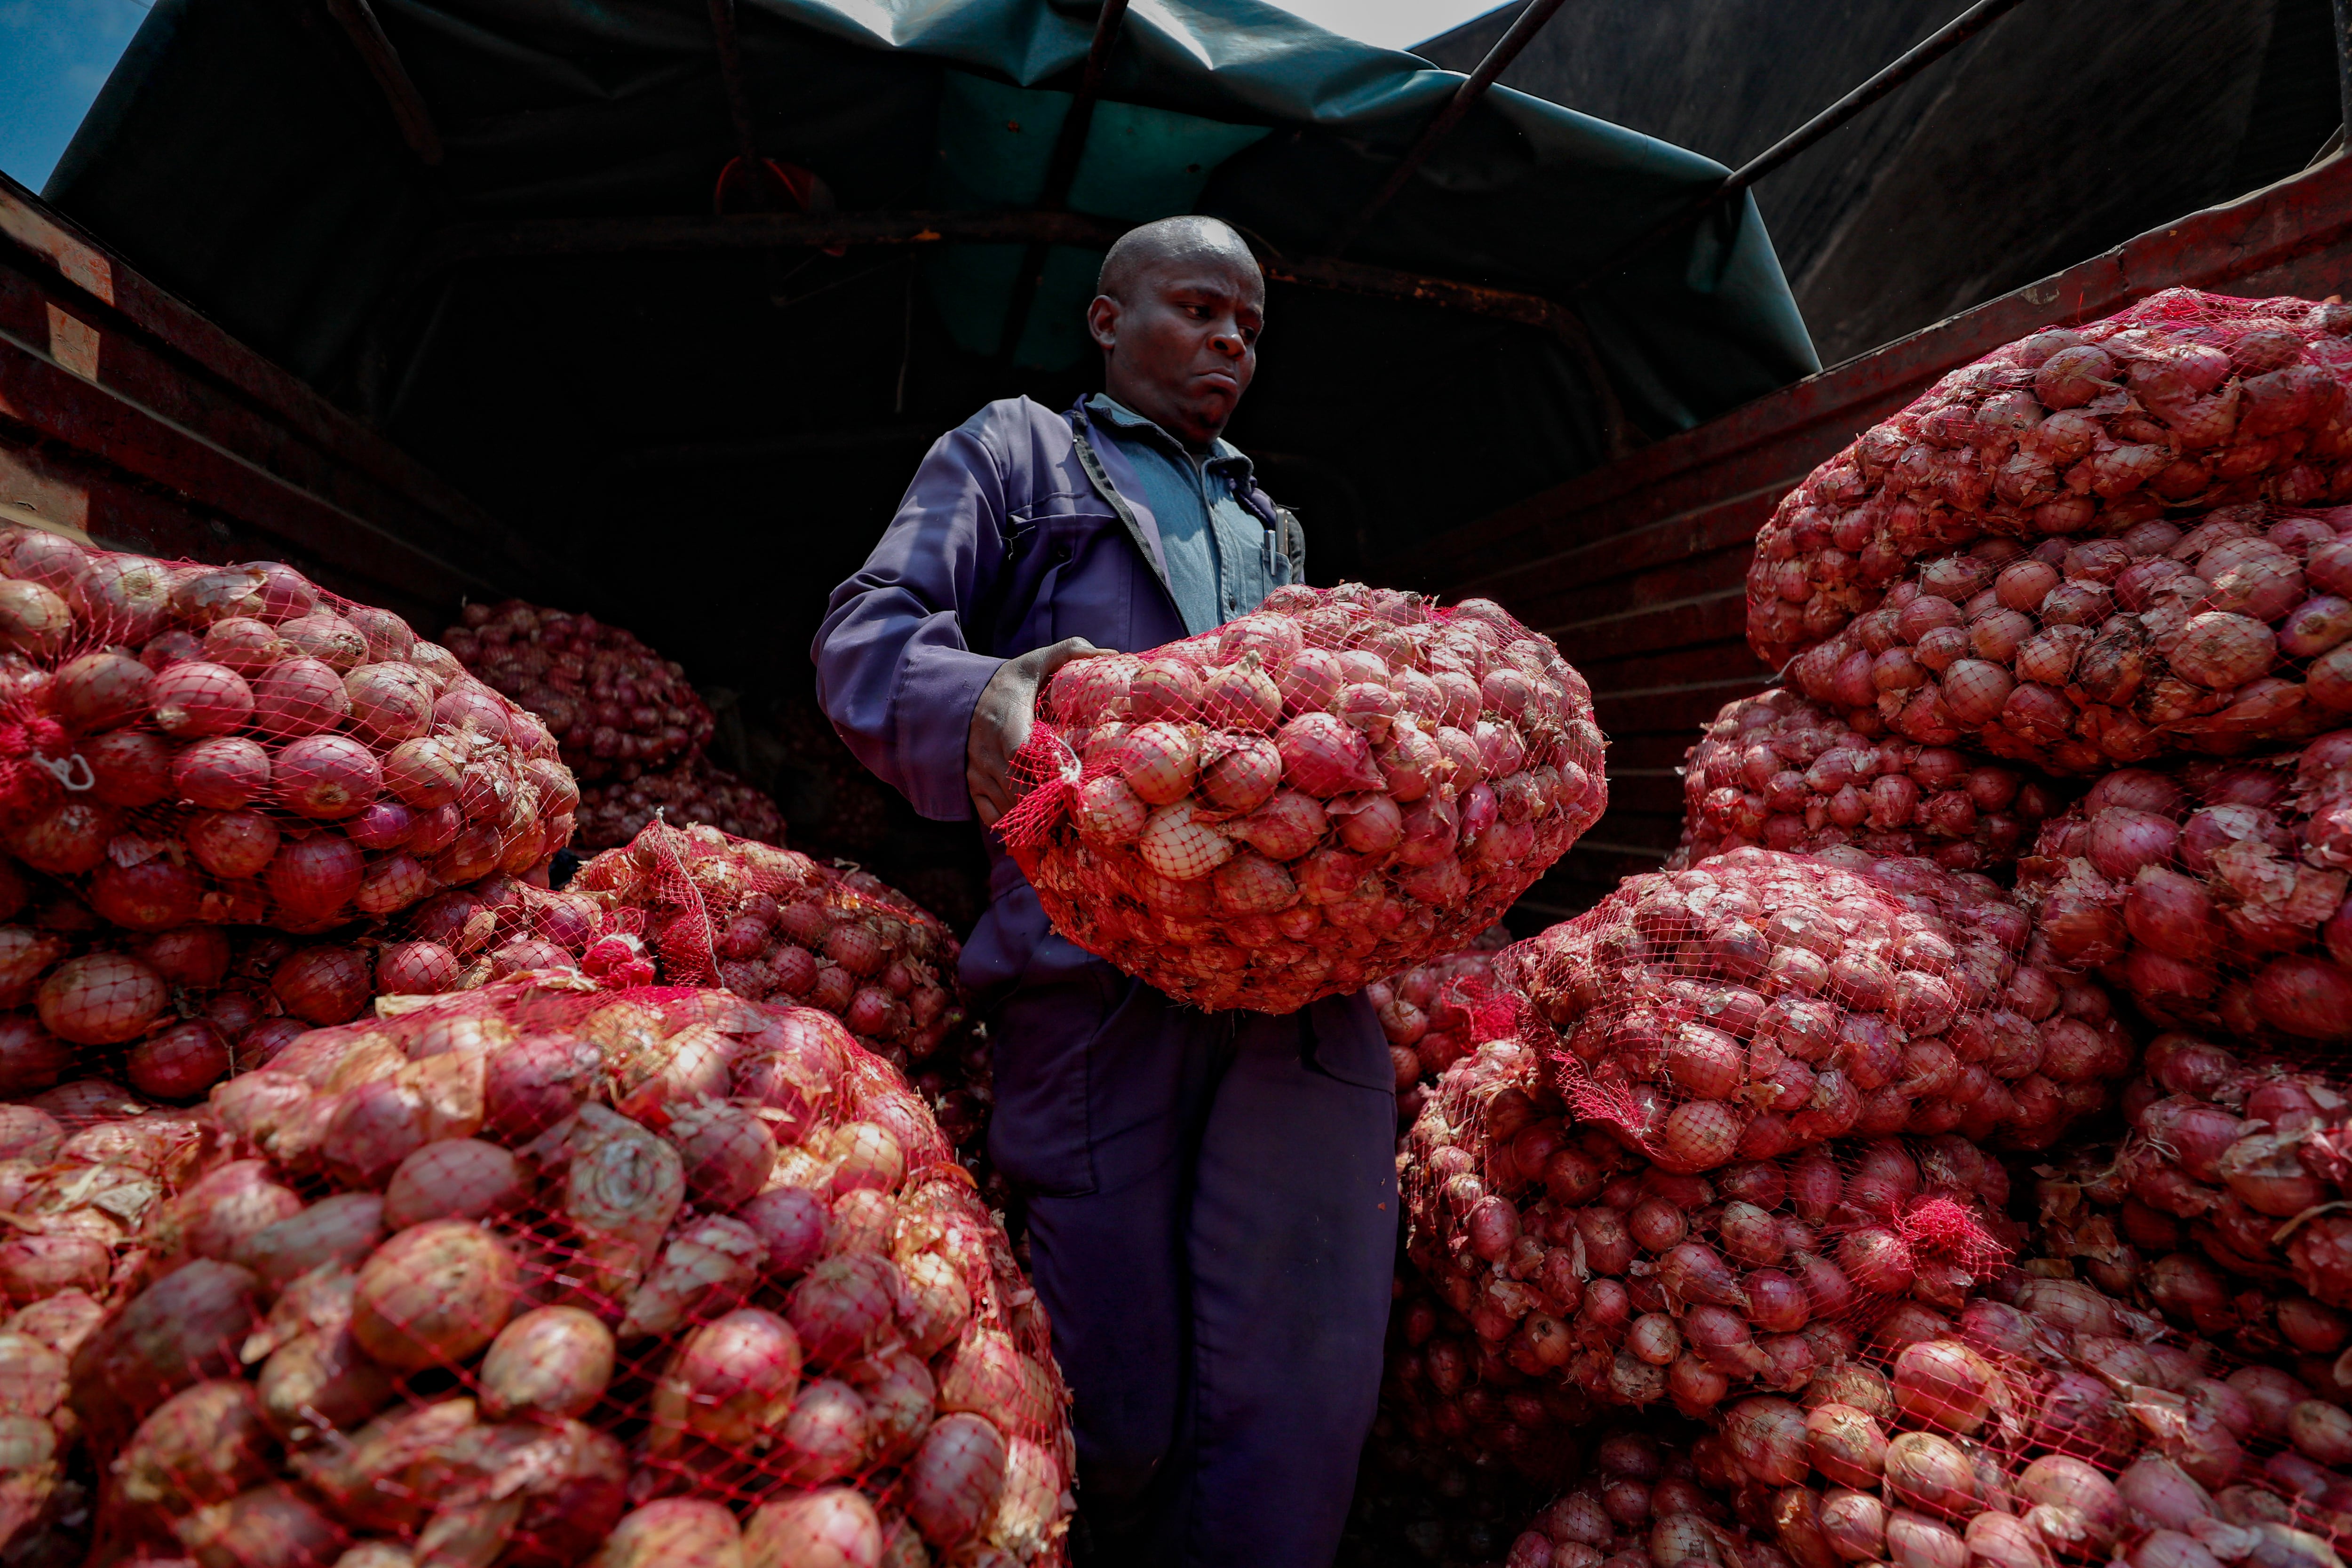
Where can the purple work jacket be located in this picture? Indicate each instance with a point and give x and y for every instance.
(1021, 527)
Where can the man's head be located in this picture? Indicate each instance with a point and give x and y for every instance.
(1177, 312)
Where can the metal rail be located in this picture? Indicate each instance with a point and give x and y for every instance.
(1522, 30)
(392, 78)
(1062, 172)
(739, 101)
(1926, 52)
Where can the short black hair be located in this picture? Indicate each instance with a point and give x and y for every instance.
(1169, 239)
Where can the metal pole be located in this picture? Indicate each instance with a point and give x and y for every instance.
(2344, 64)
(1926, 52)
(1061, 172)
(1473, 86)
(730, 77)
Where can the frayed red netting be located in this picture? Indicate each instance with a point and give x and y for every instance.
(529, 1273)
(1760, 1003)
(1777, 771)
(230, 745)
(1338, 786)
(2212, 892)
(2211, 634)
(1574, 1264)
(2184, 403)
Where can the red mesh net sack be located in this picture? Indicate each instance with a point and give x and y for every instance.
(2045, 1422)
(2214, 893)
(2084, 654)
(2244, 1298)
(695, 792)
(230, 745)
(525, 1275)
(1776, 771)
(773, 925)
(1760, 1003)
(2185, 402)
(2240, 1159)
(169, 1012)
(1344, 783)
(84, 1173)
(1657, 1497)
(1574, 1261)
(616, 707)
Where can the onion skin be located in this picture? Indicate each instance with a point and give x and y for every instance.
(552, 1362)
(434, 1295)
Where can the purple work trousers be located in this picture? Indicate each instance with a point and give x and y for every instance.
(1212, 1218)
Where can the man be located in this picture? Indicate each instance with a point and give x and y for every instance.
(1212, 1197)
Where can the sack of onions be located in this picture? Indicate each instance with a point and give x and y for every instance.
(774, 924)
(1342, 784)
(2091, 1214)
(2051, 1426)
(1571, 1260)
(1777, 771)
(229, 745)
(1417, 1501)
(1434, 1013)
(2214, 893)
(2244, 1160)
(85, 1170)
(2084, 654)
(695, 792)
(2185, 402)
(171, 1012)
(1452, 1397)
(529, 1276)
(1761, 1003)
(1656, 1499)
(616, 706)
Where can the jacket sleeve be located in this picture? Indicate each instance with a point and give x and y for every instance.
(893, 670)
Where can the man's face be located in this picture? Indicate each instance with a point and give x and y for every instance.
(1181, 348)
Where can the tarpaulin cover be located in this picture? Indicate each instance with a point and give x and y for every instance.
(241, 155)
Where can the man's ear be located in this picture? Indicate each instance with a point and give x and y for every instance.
(1102, 321)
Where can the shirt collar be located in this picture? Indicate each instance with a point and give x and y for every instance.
(1223, 457)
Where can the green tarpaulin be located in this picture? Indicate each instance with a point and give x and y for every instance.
(620, 407)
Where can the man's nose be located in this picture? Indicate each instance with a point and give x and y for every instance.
(1227, 340)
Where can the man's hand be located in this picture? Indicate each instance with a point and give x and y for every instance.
(1001, 722)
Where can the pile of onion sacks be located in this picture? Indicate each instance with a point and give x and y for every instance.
(85, 1171)
(2214, 893)
(1761, 1003)
(2043, 1421)
(1337, 787)
(1572, 1260)
(616, 707)
(771, 924)
(695, 793)
(525, 1276)
(1778, 771)
(2083, 655)
(2185, 402)
(229, 744)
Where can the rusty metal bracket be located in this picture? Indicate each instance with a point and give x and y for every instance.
(1521, 32)
(383, 61)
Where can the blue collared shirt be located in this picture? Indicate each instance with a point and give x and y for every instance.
(1220, 555)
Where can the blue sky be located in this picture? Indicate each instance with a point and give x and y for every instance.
(55, 54)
